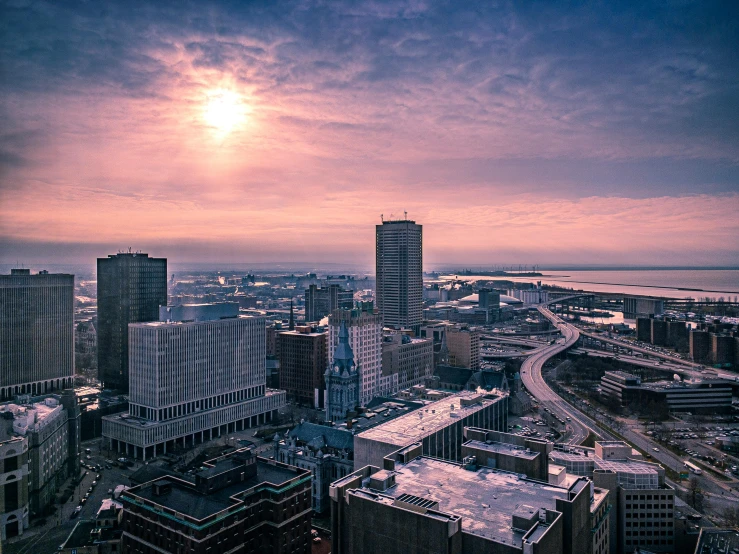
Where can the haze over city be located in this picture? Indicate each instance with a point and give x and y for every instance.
(258, 132)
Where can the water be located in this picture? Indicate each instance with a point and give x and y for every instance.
(669, 283)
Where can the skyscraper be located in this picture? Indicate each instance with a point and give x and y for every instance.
(399, 268)
(131, 287)
(36, 332)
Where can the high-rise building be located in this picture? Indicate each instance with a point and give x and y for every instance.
(406, 362)
(303, 357)
(320, 302)
(700, 346)
(399, 269)
(130, 289)
(365, 337)
(195, 374)
(36, 332)
(342, 379)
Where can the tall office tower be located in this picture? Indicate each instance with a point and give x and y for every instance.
(131, 287)
(321, 302)
(303, 357)
(195, 374)
(399, 290)
(365, 338)
(36, 332)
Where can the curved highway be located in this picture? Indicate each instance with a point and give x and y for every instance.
(579, 424)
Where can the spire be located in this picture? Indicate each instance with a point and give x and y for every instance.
(291, 326)
(343, 355)
(444, 350)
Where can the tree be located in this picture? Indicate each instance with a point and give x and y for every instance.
(696, 498)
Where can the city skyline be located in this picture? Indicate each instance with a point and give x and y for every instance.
(521, 134)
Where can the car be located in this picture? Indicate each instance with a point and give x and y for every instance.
(655, 449)
(316, 539)
(87, 473)
(83, 500)
(94, 483)
(97, 477)
(110, 491)
(108, 466)
(88, 457)
(89, 490)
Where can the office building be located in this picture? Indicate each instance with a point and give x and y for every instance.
(464, 346)
(644, 503)
(36, 333)
(406, 361)
(699, 343)
(192, 379)
(707, 396)
(399, 274)
(321, 302)
(130, 289)
(14, 474)
(303, 357)
(49, 428)
(365, 338)
(237, 503)
(415, 503)
(642, 306)
(438, 427)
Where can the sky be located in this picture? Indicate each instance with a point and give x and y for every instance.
(514, 132)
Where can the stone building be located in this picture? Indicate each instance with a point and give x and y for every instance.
(342, 379)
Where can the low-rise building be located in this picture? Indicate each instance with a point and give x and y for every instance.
(238, 503)
(415, 503)
(717, 541)
(438, 427)
(101, 535)
(406, 361)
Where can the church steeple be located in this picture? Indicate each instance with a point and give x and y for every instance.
(344, 356)
(342, 379)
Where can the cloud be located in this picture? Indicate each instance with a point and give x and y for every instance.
(439, 108)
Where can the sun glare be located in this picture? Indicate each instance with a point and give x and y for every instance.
(224, 110)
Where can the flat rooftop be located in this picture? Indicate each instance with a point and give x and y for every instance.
(185, 499)
(414, 426)
(485, 499)
(503, 448)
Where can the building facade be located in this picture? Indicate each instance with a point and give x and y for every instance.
(320, 302)
(464, 346)
(406, 362)
(36, 333)
(699, 343)
(365, 338)
(399, 273)
(238, 504)
(130, 289)
(642, 306)
(303, 357)
(14, 474)
(343, 381)
(192, 380)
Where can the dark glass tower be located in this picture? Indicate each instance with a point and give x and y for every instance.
(131, 287)
(36, 332)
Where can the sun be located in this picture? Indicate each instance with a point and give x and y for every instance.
(224, 110)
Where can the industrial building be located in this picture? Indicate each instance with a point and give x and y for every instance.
(196, 373)
(415, 503)
(36, 333)
(708, 396)
(237, 503)
(438, 427)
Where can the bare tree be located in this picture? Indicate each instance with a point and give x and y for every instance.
(696, 498)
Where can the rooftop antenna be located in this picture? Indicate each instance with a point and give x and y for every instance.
(382, 218)
(405, 214)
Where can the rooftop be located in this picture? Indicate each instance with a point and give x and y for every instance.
(503, 448)
(486, 499)
(717, 541)
(421, 423)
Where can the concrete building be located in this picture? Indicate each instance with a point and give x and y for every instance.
(658, 332)
(708, 396)
(238, 503)
(406, 361)
(399, 273)
(642, 306)
(49, 428)
(14, 474)
(644, 503)
(508, 452)
(36, 333)
(644, 329)
(530, 296)
(303, 358)
(192, 380)
(130, 289)
(101, 535)
(677, 333)
(438, 427)
(365, 338)
(321, 302)
(414, 503)
(699, 343)
(717, 541)
(722, 349)
(464, 346)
